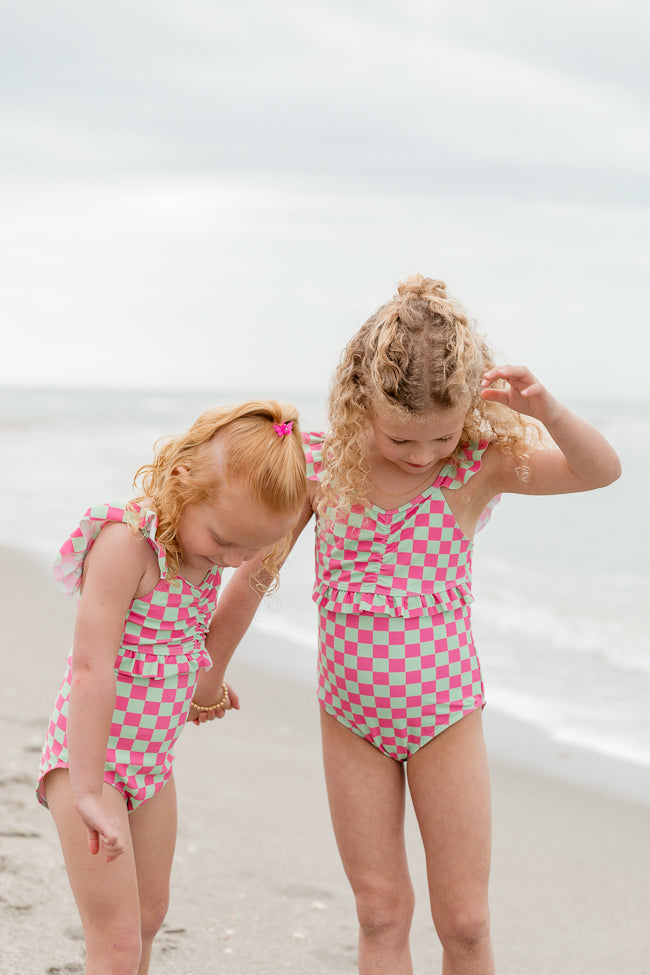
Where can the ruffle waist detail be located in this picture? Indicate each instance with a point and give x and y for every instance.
(146, 663)
(410, 604)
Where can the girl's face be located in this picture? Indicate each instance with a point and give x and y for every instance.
(417, 445)
(230, 531)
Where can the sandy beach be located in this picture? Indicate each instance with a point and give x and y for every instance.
(257, 887)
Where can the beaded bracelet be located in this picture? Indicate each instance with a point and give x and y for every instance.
(225, 697)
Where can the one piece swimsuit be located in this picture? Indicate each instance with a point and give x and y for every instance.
(396, 660)
(162, 649)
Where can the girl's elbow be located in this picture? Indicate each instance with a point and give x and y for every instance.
(602, 474)
(617, 471)
(612, 472)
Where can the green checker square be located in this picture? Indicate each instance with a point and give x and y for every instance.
(413, 712)
(412, 664)
(362, 677)
(354, 518)
(381, 665)
(123, 757)
(136, 706)
(366, 701)
(157, 598)
(171, 614)
(59, 735)
(166, 710)
(381, 639)
(442, 684)
(148, 721)
(154, 693)
(385, 713)
(339, 670)
(366, 622)
(402, 571)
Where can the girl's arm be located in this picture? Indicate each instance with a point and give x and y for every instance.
(235, 611)
(113, 570)
(584, 459)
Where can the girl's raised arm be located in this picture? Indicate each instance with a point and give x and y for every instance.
(584, 459)
(113, 570)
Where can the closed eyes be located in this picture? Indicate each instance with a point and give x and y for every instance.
(220, 541)
(402, 442)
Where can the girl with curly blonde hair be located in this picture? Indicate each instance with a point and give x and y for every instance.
(226, 493)
(426, 432)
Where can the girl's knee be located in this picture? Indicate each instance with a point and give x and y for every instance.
(464, 930)
(385, 909)
(120, 948)
(152, 917)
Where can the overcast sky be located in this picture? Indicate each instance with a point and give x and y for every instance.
(219, 194)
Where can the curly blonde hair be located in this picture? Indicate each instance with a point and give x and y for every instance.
(419, 351)
(272, 467)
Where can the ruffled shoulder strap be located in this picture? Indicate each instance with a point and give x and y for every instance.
(455, 475)
(69, 563)
(312, 444)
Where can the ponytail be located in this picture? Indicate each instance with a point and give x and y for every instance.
(270, 464)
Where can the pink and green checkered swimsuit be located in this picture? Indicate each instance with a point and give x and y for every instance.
(396, 660)
(162, 649)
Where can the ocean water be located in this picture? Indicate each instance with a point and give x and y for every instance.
(562, 584)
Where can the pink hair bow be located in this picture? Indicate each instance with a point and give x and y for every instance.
(283, 429)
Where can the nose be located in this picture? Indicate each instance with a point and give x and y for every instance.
(420, 455)
(235, 559)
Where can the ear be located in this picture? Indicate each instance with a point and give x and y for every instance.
(182, 472)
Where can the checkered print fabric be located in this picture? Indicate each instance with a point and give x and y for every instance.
(410, 561)
(398, 680)
(397, 662)
(163, 647)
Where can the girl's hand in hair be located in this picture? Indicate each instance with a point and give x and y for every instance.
(524, 393)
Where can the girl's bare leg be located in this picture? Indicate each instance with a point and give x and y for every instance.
(450, 787)
(106, 893)
(121, 904)
(366, 796)
(153, 833)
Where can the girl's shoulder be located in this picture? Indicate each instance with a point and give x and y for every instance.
(312, 443)
(141, 521)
